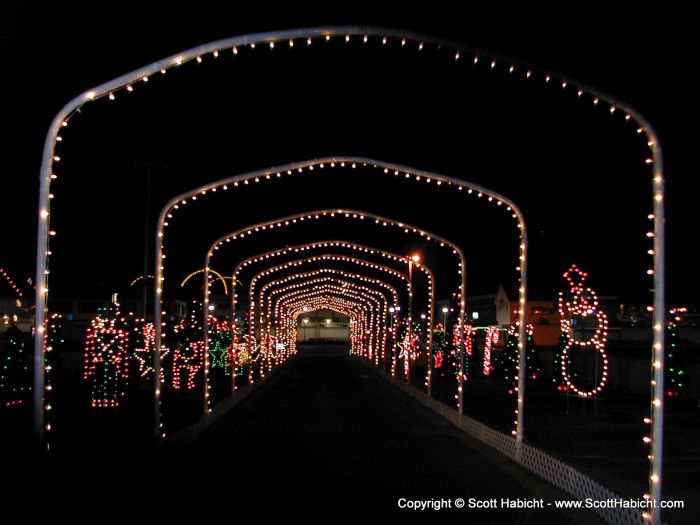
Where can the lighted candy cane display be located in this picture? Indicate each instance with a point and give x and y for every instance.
(381, 303)
(377, 308)
(491, 337)
(580, 305)
(106, 359)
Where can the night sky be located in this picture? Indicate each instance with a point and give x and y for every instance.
(577, 172)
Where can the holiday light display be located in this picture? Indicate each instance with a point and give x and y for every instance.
(365, 250)
(675, 370)
(15, 380)
(127, 83)
(510, 359)
(579, 306)
(106, 358)
(357, 312)
(345, 299)
(345, 288)
(408, 351)
(389, 290)
(329, 213)
(572, 368)
(145, 338)
(371, 321)
(353, 260)
(220, 344)
(188, 354)
(326, 259)
(12, 285)
(491, 197)
(316, 245)
(439, 347)
(217, 274)
(491, 337)
(187, 358)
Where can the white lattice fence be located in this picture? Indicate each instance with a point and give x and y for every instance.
(554, 471)
(573, 482)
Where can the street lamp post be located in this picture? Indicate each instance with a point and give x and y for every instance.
(149, 165)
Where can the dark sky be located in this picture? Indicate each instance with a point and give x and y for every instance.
(577, 172)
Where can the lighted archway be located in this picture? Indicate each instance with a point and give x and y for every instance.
(126, 82)
(285, 293)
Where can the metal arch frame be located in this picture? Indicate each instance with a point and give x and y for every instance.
(325, 257)
(282, 265)
(218, 275)
(335, 271)
(330, 302)
(500, 199)
(332, 299)
(377, 309)
(362, 214)
(656, 160)
(333, 243)
(329, 283)
(324, 244)
(345, 275)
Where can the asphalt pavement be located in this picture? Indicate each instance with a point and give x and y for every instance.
(325, 438)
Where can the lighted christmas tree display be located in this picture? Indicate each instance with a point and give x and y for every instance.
(15, 378)
(219, 344)
(675, 379)
(511, 358)
(106, 358)
(439, 349)
(584, 326)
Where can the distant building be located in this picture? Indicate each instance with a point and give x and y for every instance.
(323, 326)
(501, 310)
